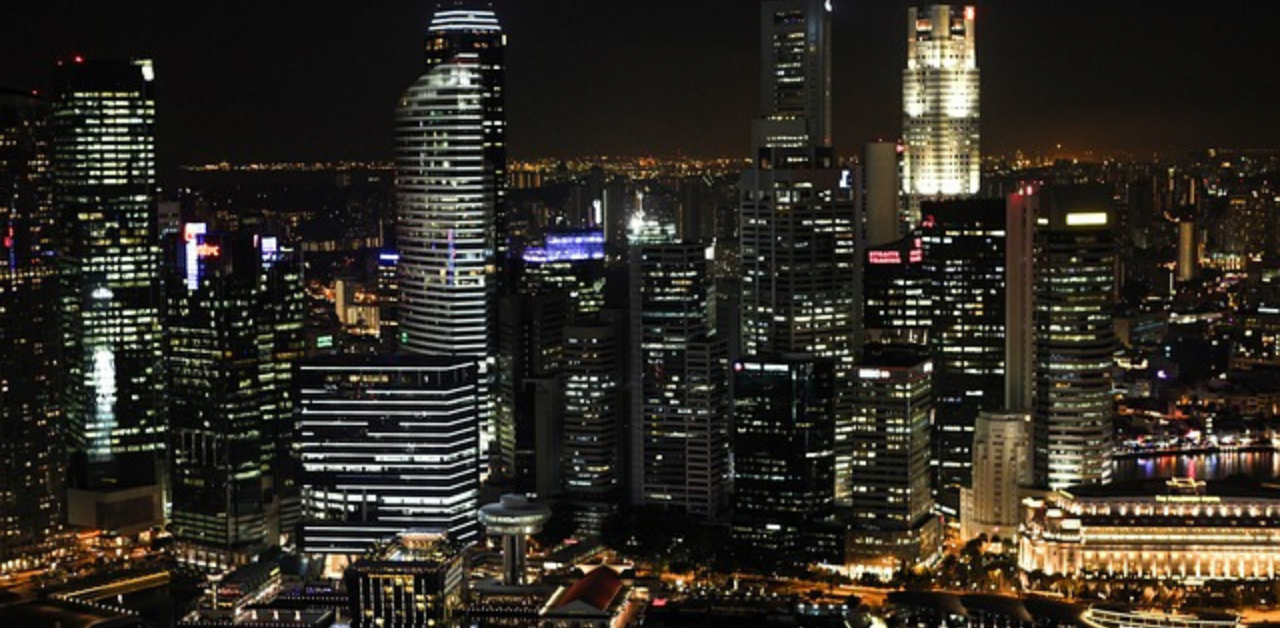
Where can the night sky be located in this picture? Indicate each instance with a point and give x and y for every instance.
(281, 80)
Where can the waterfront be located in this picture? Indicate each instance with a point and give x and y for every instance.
(1262, 465)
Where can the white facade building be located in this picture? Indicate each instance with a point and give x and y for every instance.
(940, 102)
(1002, 465)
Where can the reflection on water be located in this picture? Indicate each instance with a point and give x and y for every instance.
(1261, 465)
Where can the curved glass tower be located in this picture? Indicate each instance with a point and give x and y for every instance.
(446, 205)
(472, 27)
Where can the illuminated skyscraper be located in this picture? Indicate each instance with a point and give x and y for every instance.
(798, 225)
(591, 447)
(451, 185)
(680, 426)
(32, 461)
(795, 74)
(891, 514)
(109, 260)
(964, 255)
(471, 27)
(570, 261)
(940, 97)
(799, 216)
(898, 293)
(560, 283)
(446, 203)
(1073, 333)
(387, 444)
(234, 331)
(799, 255)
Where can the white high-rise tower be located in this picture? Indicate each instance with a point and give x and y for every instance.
(446, 202)
(940, 103)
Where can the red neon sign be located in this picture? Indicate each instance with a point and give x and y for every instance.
(884, 257)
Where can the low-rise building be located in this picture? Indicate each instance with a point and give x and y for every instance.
(599, 599)
(1177, 529)
(415, 582)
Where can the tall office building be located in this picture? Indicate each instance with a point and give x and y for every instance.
(451, 161)
(104, 170)
(446, 200)
(570, 261)
(940, 97)
(387, 444)
(799, 215)
(964, 254)
(591, 424)
(1074, 338)
(234, 331)
(530, 352)
(559, 283)
(680, 426)
(799, 253)
(795, 74)
(1019, 354)
(471, 27)
(32, 462)
(784, 456)
(445, 227)
(890, 492)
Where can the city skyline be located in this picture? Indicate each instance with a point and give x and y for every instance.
(465, 382)
(1157, 81)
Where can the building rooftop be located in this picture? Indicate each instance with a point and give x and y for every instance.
(893, 356)
(386, 361)
(1238, 486)
(597, 589)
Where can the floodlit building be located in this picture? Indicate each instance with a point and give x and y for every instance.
(416, 581)
(451, 188)
(471, 27)
(1180, 529)
(940, 97)
(1002, 467)
(445, 232)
